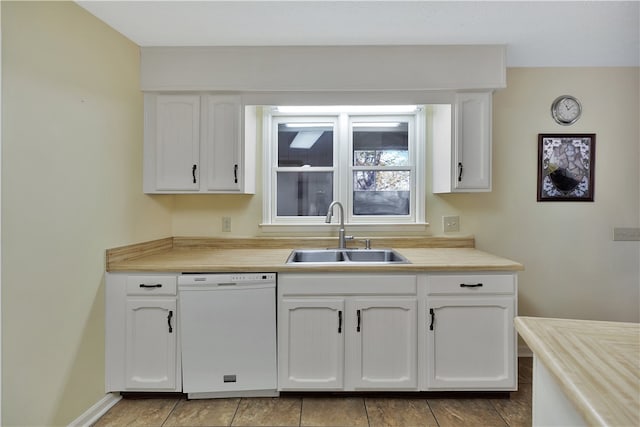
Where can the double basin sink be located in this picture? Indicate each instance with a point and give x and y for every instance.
(346, 256)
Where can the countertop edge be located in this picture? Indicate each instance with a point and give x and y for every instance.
(274, 260)
(552, 362)
(539, 349)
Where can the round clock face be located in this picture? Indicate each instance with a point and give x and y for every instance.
(566, 109)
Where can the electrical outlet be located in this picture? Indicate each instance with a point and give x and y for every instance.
(226, 223)
(451, 224)
(626, 234)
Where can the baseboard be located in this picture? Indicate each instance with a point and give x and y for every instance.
(92, 414)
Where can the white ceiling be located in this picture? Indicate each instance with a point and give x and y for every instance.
(536, 33)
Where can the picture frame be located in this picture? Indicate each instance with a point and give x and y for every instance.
(566, 167)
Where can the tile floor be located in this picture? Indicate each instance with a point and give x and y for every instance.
(329, 411)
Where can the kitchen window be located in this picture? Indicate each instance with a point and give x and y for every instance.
(371, 159)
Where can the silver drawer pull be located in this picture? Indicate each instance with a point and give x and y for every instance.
(227, 284)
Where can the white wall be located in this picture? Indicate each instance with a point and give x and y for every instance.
(71, 187)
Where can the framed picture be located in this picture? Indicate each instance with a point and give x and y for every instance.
(566, 165)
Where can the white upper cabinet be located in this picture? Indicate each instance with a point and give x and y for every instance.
(195, 144)
(177, 142)
(222, 146)
(462, 152)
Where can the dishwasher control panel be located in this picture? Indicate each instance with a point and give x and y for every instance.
(253, 277)
(224, 278)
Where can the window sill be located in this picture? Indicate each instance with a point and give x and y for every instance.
(330, 229)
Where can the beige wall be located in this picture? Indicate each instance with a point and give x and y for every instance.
(71, 187)
(573, 268)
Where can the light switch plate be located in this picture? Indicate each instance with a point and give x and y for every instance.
(451, 224)
(226, 224)
(626, 233)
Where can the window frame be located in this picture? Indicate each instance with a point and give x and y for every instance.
(343, 169)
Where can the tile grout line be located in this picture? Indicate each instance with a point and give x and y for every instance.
(300, 416)
(432, 413)
(235, 412)
(495, 408)
(366, 411)
(170, 412)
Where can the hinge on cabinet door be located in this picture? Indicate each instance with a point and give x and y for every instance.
(433, 315)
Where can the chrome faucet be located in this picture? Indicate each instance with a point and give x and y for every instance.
(342, 239)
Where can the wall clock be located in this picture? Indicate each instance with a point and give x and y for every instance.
(566, 110)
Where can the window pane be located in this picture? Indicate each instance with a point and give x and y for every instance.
(304, 193)
(381, 192)
(381, 158)
(381, 180)
(381, 202)
(380, 144)
(305, 144)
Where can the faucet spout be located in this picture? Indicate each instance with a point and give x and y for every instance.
(342, 239)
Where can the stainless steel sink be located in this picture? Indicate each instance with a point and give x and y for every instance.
(316, 255)
(346, 256)
(376, 255)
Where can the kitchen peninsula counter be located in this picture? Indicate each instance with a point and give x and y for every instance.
(594, 364)
(179, 254)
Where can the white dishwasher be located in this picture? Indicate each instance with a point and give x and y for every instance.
(228, 334)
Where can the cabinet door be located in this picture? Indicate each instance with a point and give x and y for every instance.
(472, 157)
(222, 143)
(311, 344)
(470, 343)
(382, 343)
(150, 354)
(177, 138)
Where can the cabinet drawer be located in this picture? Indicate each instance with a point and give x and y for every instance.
(471, 284)
(151, 285)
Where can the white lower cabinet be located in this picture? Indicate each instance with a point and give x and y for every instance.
(151, 344)
(383, 342)
(337, 332)
(347, 332)
(470, 337)
(142, 351)
(311, 343)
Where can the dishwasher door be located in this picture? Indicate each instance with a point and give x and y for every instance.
(228, 334)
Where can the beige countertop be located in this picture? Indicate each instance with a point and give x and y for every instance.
(597, 365)
(247, 255)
